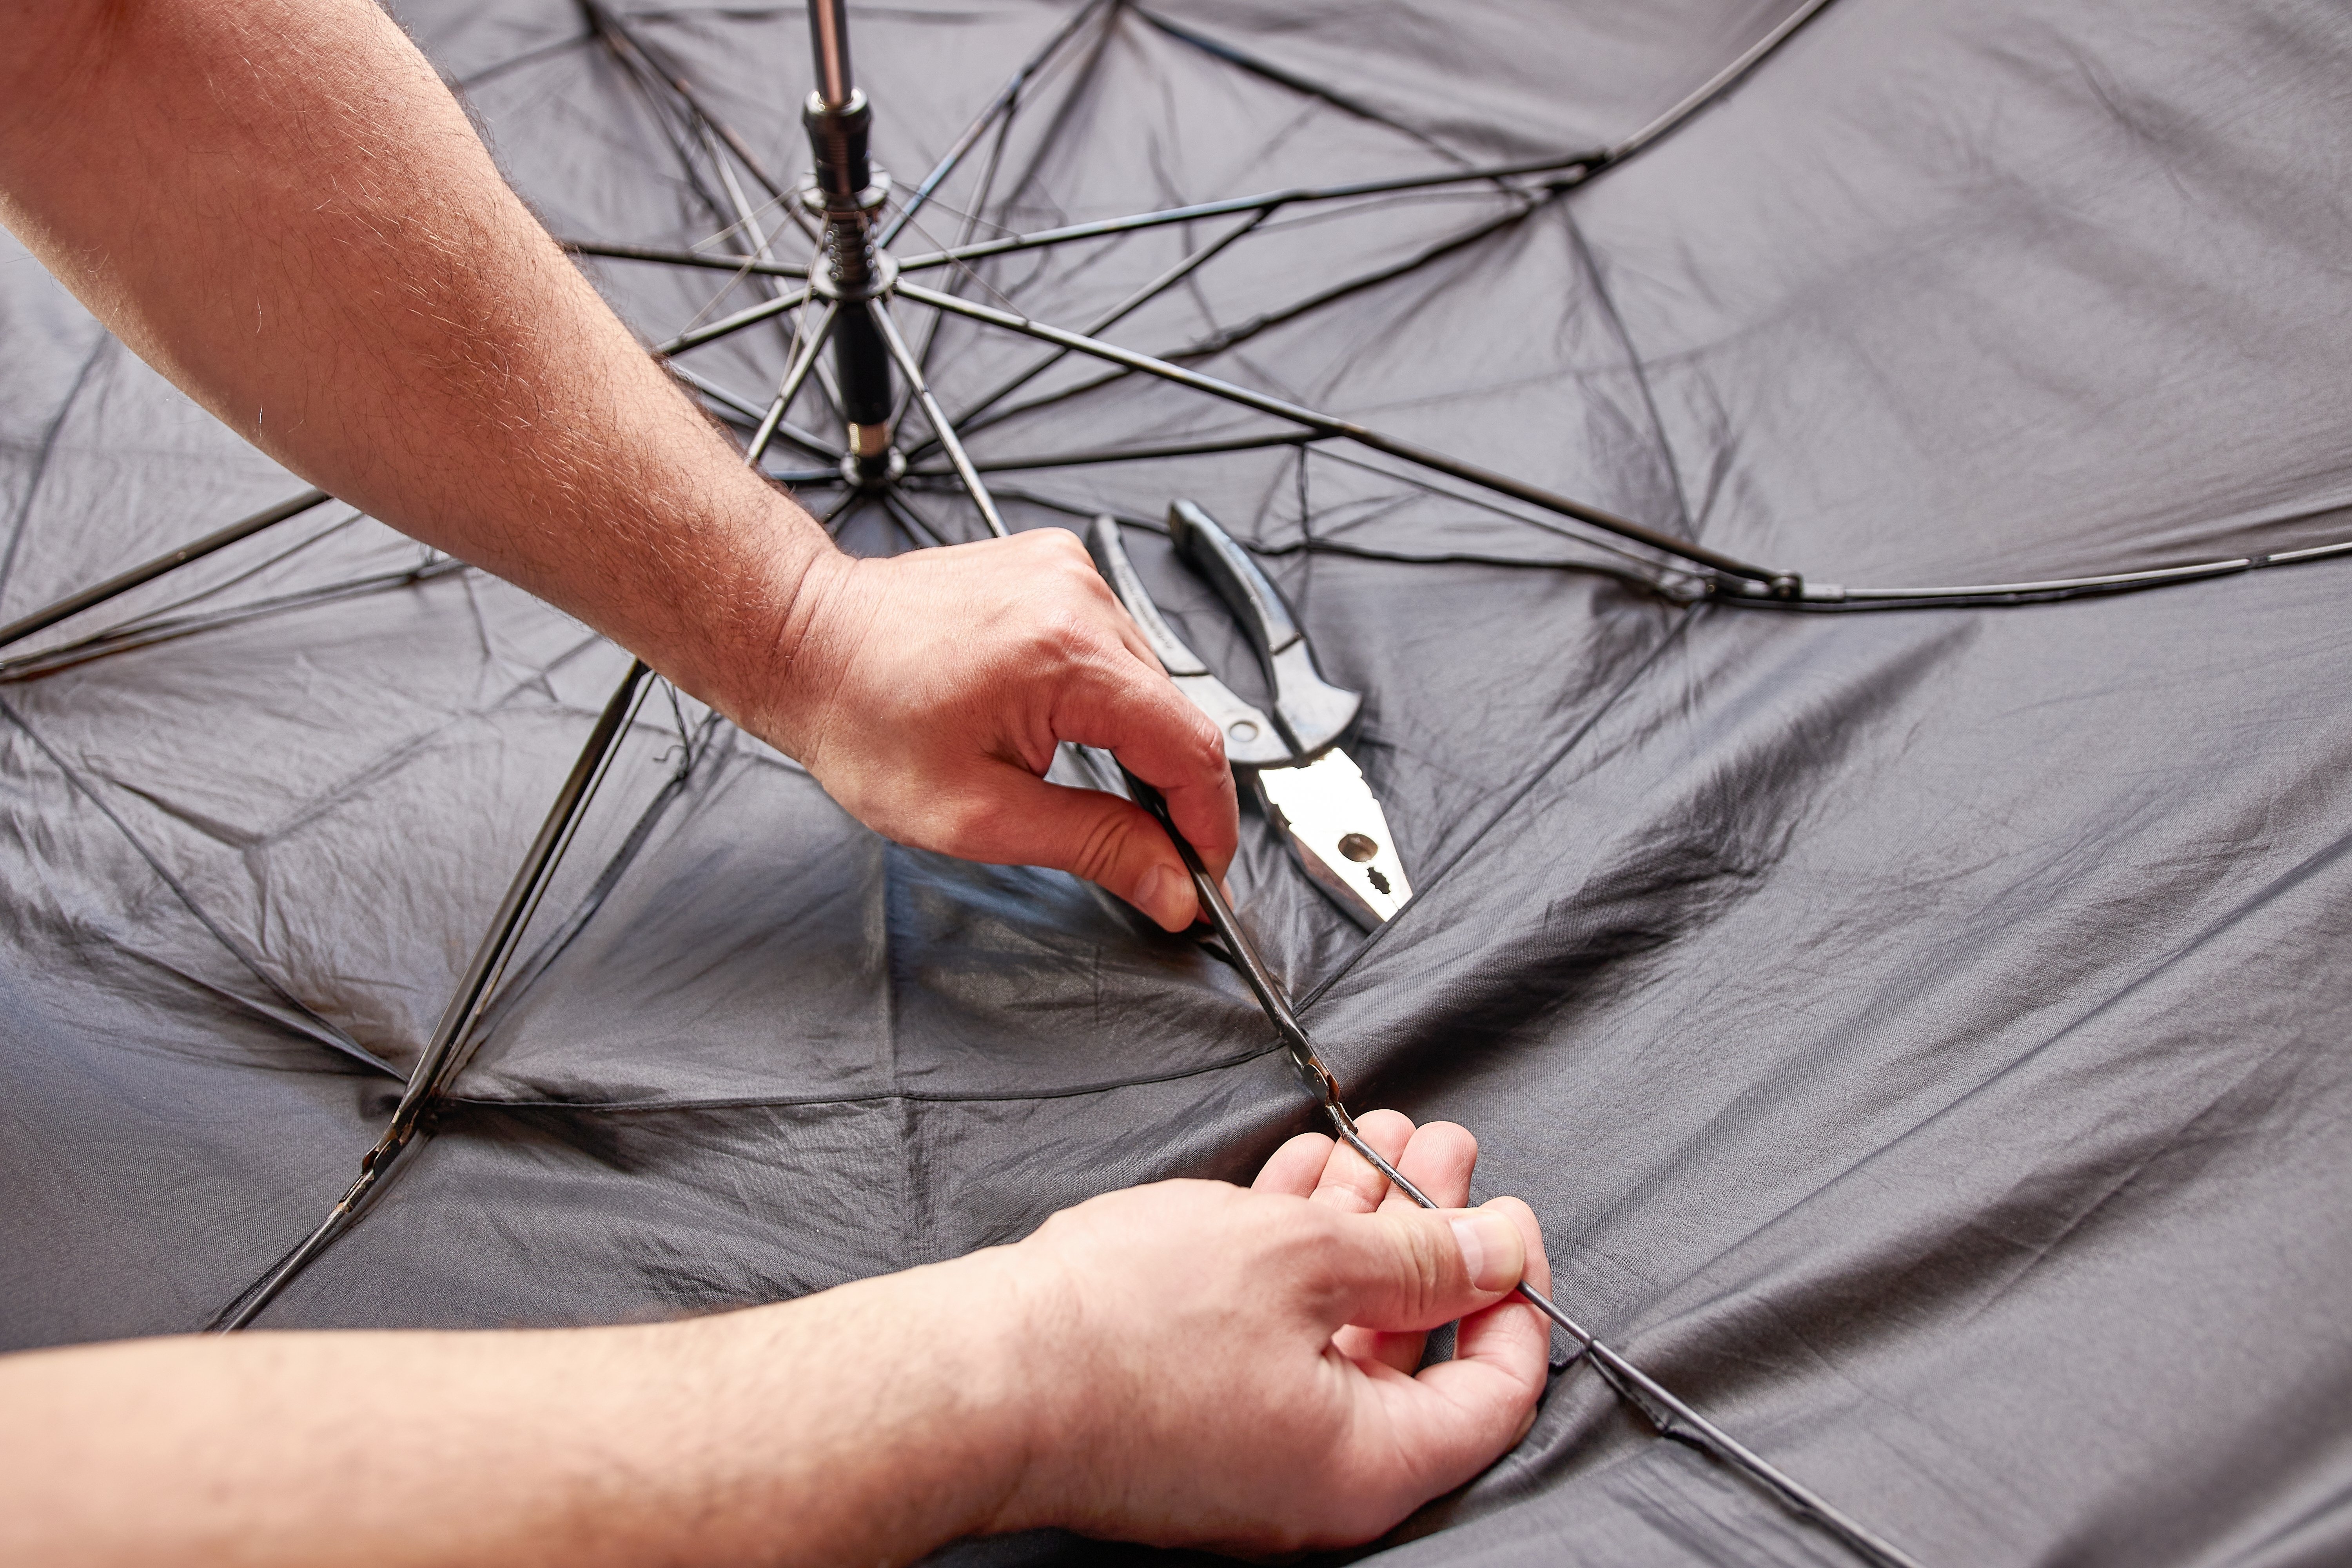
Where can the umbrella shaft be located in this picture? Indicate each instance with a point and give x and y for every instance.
(862, 363)
(849, 193)
(829, 38)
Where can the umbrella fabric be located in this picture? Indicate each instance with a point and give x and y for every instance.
(1918, 1030)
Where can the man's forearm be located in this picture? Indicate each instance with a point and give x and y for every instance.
(280, 205)
(1183, 1363)
(864, 1425)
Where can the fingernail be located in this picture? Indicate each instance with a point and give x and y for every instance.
(1160, 895)
(1492, 1252)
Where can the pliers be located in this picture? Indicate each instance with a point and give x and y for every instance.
(1311, 789)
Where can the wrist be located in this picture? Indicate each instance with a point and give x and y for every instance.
(895, 1413)
(749, 649)
(803, 654)
(1057, 1382)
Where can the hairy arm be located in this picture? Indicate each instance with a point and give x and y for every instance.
(1185, 1362)
(279, 204)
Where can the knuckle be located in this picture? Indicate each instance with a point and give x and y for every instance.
(1065, 635)
(1423, 1263)
(1066, 545)
(1097, 852)
(1208, 742)
(966, 823)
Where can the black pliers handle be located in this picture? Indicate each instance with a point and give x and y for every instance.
(1310, 714)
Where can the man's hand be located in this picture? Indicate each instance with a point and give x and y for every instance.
(278, 205)
(927, 693)
(1237, 1369)
(1181, 1363)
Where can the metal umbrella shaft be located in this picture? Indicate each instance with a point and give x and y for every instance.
(829, 41)
(848, 194)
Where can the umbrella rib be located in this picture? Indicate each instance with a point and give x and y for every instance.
(720, 262)
(750, 316)
(453, 1039)
(806, 441)
(438, 1066)
(1819, 597)
(1584, 165)
(490, 73)
(1133, 454)
(671, 76)
(747, 223)
(133, 635)
(748, 219)
(971, 222)
(940, 429)
(1570, 167)
(804, 360)
(1217, 342)
(350, 516)
(1216, 49)
(644, 61)
(1332, 426)
(1714, 86)
(694, 747)
(999, 104)
(1640, 581)
(1679, 595)
(1175, 275)
(1832, 597)
(646, 80)
(147, 571)
(1574, 170)
(1570, 171)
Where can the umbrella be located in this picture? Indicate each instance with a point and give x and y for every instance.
(1908, 1024)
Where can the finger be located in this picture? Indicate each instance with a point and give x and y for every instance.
(1439, 1160)
(1109, 840)
(1505, 1349)
(1411, 1271)
(1349, 1182)
(1295, 1167)
(1138, 715)
(1009, 816)
(1457, 1417)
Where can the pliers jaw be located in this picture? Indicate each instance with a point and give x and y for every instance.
(1339, 834)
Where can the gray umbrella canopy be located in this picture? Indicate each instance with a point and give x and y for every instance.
(1912, 1018)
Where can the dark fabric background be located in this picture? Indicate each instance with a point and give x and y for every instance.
(1923, 1034)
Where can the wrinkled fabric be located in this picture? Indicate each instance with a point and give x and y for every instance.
(1919, 1032)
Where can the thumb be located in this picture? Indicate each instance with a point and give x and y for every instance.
(1411, 1271)
(1096, 836)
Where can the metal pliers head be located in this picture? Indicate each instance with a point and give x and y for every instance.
(1312, 791)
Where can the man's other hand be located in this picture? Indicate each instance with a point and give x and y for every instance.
(1237, 1368)
(927, 692)
(1184, 1363)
